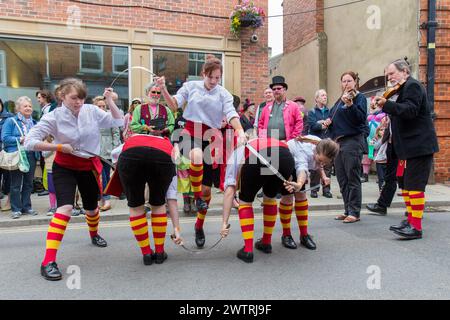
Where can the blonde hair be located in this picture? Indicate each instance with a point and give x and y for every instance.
(97, 99)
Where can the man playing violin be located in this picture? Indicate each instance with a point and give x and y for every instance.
(414, 142)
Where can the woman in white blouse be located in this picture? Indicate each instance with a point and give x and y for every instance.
(207, 104)
(75, 127)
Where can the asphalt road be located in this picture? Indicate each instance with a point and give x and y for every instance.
(356, 261)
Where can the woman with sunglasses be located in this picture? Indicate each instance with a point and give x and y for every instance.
(152, 118)
(207, 104)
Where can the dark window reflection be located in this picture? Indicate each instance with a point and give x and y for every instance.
(30, 65)
(179, 66)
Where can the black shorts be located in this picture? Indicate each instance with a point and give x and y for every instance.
(211, 177)
(252, 179)
(140, 165)
(66, 181)
(416, 174)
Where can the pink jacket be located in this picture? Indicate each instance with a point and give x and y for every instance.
(293, 122)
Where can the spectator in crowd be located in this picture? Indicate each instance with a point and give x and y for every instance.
(4, 174)
(304, 113)
(248, 115)
(348, 127)
(15, 129)
(153, 118)
(49, 157)
(373, 120)
(268, 97)
(390, 179)
(380, 151)
(281, 118)
(129, 117)
(110, 139)
(316, 119)
(45, 99)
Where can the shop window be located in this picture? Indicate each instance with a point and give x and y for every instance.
(119, 59)
(91, 58)
(179, 66)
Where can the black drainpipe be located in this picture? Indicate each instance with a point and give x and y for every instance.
(431, 50)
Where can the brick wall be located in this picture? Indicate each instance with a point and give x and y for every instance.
(442, 83)
(300, 29)
(254, 56)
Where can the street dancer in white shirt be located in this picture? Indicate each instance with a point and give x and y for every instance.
(310, 153)
(207, 103)
(75, 128)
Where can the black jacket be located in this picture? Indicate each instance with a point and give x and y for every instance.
(413, 133)
(315, 115)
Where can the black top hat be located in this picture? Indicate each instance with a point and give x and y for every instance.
(278, 80)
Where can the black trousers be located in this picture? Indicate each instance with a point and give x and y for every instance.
(390, 178)
(348, 171)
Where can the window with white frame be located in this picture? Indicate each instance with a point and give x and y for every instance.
(2, 68)
(91, 58)
(119, 59)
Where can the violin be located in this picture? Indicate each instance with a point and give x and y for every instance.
(393, 90)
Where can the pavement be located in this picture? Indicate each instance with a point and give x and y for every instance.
(436, 196)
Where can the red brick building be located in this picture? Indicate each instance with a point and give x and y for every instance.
(125, 31)
(324, 38)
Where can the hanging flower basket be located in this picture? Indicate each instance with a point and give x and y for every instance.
(246, 15)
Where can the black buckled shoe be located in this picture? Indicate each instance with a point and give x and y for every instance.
(314, 194)
(201, 204)
(51, 272)
(99, 241)
(409, 232)
(400, 226)
(288, 242)
(266, 248)
(199, 238)
(159, 257)
(245, 256)
(308, 242)
(148, 259)
(327, 194)
(375, 207)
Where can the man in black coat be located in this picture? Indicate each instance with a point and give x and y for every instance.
(414, 141)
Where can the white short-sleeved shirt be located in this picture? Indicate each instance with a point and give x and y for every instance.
(206, 106)
(81, 132)
(303, 153)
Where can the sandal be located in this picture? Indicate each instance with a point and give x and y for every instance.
(341, 217)
(351, 219)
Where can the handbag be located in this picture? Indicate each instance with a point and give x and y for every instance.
(9, 160)
(24, 165)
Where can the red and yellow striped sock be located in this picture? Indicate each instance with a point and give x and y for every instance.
(201, 214)
(55, 233)
(285, 217)
(92, 222)
(196, 178)
(139, 226)
(301, 212)
(405, 195)
(270, 218)
(417, 199)
(247, 221)
(159, 226)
